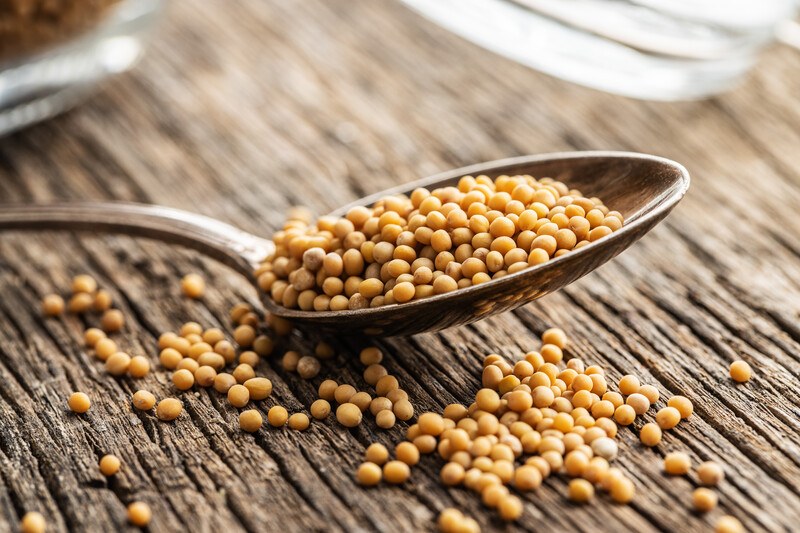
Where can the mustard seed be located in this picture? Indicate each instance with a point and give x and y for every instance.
(555, 336)
(629, 384)
(677, 463)
(728, 524)
(92, 335)
(238, 395)
(396, 472)
(193, 286)
(183, 379)
(277, 416)
(52, 305)
(223, 382)
(649, 392)
(205, 376)
(348, 415)
(704, 500)
(343, 393)
(250, 420)
(169, 358)
(320, 409)
(625, 415)
(112, 320)
(327, 390)
(80, 303)
(369, 474)
(650, 434)
(528, 478)
(79, 402)
(139, 366)
(385, 419)
(622, 489)
(263, 345)
(143, 400)
(668, 417)
(682, 404)
(258, 388)
(188, 364)
(299, 421)
(376, 453)
(139, 514)
(371, 356)
(118, 363)
(33, 522)
(403, 410)
(639, 402)
(580, 490)
(169, 409)
(710, 473)
(83, 283)
(102, 300)
(510, 508)
(373, 373)
(740, 371)
(212, 359)
(361, 399)
(243, 372)
(109, 465)
(308, 367)
(244, 335)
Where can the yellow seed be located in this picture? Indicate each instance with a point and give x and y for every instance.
(102, 300)
(244, 335)
(80, 303)
(677, 463)
(396, 472)
(348, 415)
(83, 283)
(649, 392)
(527, 478)
(223, 382)
(555, 336)
(407, 452)
(92, 335)
(238, 395)
(118, 363)
(320, 409)
(259, 388)
(510, 508)
(52, 305)
(112, 320)
(385, 419)
(682, 404)
(193, 286)
(704, 500)
(143, 400)
(243, 373)
(639, 402)
(650, 435)
(109, 465)
(183, 379)
(299, 421)
(625, 415)
(580, 490)
(188, 364)
(369, 474)
(728, 524)
(622, 489)
(452, 474)
(33, 522)
(250, 420)
(308, 367)
(139, 366)
(376, 453)
(371, 356)
(668, 417)
(710, 473)
(139, 514)
(740, 371)
(629, 384)
(79, 402)
(212, 359)
(205, 376)
(169, 409)
(169, 358)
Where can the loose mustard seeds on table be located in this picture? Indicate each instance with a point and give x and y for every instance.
(79, 402)
(406, 248)
(33, 522)
(109, 465)
(139, 514)
(740, 371)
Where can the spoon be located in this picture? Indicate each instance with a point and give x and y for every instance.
(643, 188)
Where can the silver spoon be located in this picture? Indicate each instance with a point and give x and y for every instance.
(643, 188)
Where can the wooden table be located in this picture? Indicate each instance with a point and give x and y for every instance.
(242, 109)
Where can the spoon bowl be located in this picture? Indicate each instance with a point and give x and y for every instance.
(643, 188)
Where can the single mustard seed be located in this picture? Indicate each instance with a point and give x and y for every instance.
(238, 395)
(320, 409)
(109, 465)
(740, 371)
(299, 421)
(396, 472)
(139, 366)
(80, 303)
(244, 335)
(118, 363)
(704, 500)
(52, 305)
(183, 379)
(139, 514)
(348, 415)
(249, 358)
(33, 522)
(102, 300)
(403, 410)
(308, 367)
(629, 384)
(622, 489)
(682, 404)
(510, 508)
(223, 382)
(677, 463)
(259, 388)
(250, 420)
(193, 286)
(625, 415)
(277, 416)
(385, 419)
(112, 320)
(649, 392)
(580, 490)
(407, 452)
(728, 524)
(668, 417)
(79, 402)
(376, 453)
(343, 393)
(92, 335)
(169, 409)
(555, 336)
(205, 376)
(143, 400)
(243, 372)
(710, 473)
(371, 356)
(639, 402)
(83, 283)
(650, 434)
(189, 364)
(170, 358)
(369, 474)
(105, 348)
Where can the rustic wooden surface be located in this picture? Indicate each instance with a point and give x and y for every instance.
(244, 108)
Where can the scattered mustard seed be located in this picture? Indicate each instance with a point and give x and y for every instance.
(118, 363)
(109, 465)
(710, 473)
(682, 404)
(668, 417)
(223, 382)
(238, 395)
(728, 524)
(139, 366)
(79, 402)
(112, 320)
(320, 409)
(80, 303)
(396, 472)
(650, 434)
(83, 283)
(183, 379)
(102, 300)
(740, 371)
(143, 400)
(169, 409)
(704, 500)
(33, 522)
(259, 388)
(348, 415)
(205, 376)
(299, 421)
(250, 420)
(677, 463)
(580, 490)
(193, 286)
(52, 305)
(92, 335)
(369, 474)
(139, 514)
(277, 416)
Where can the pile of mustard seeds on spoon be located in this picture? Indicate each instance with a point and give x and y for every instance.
(407, 248)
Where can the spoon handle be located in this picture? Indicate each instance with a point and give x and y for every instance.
(228, 244)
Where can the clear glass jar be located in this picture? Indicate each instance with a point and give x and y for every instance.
(650, 49)
(49, 65)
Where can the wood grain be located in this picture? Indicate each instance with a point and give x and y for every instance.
(244, 108)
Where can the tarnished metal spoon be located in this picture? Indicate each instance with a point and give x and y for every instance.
(643, 188)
